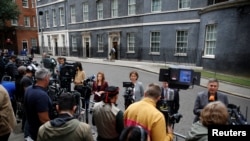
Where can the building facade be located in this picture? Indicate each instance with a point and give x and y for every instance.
(22, 33)
(203, 33)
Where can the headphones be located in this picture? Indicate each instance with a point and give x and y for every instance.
(142, 132)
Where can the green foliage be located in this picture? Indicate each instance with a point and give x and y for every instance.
(244, 81)
(8, 10)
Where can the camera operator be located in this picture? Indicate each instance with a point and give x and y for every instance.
(107, 118)
(26, 81)
(11, 67)
(170, 97)
(169, 104)
(145, 114)
(65, 80)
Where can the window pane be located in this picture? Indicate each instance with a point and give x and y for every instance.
(131, 42)
(155, 42)
(210, 40)
(131, 7)
(156, 5)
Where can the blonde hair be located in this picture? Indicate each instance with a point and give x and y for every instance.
(214, 113)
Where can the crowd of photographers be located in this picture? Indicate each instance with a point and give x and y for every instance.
(150, 114)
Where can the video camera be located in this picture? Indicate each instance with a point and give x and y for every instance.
(236, 118)
(165, 107)
(179, 78)
(88, 80)
(129, 92)
(68, 70)
(49, 63)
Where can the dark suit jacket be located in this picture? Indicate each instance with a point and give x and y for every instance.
(175, 104)
(202, 100)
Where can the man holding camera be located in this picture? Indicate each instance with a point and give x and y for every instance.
(145, 114)
(65, 127)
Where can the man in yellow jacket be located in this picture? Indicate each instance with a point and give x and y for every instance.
(145, 114)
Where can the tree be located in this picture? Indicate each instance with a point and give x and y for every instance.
(8, 10)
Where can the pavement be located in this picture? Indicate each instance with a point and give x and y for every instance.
(237, 90)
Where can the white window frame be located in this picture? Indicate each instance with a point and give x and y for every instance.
(155, 42)
(61, 16)
(72, 14)
(33, 42)
(25, 3)
(156, 5)
(74, 43)
(99, 10)
(210, 40)
(47, 19)
(14, 22)
(34, 21)
(26, 21)
(85, 11)
(131, 7)
(54, 17)
(33, 3)
(131, 42)
(100, 43)
(181, 43)
(114, 8)
(184, 4)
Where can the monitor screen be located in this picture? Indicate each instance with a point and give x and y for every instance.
(185, 76)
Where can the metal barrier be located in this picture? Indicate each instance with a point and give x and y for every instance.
(178, 136)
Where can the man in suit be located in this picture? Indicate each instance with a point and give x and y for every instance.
(170, 97)
(212, 94)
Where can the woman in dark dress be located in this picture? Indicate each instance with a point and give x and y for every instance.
(99, 86)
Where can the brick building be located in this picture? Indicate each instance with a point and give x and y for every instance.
(22, 33)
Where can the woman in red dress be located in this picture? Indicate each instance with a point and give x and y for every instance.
(99, 86)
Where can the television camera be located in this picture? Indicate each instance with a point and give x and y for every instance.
(166, 108)
(50, 63)
(236, 117)
(54, 93)
(180, 78)
(177, 78)
(85, 93)
(67, 74)
(25, 61)
(129, 92)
